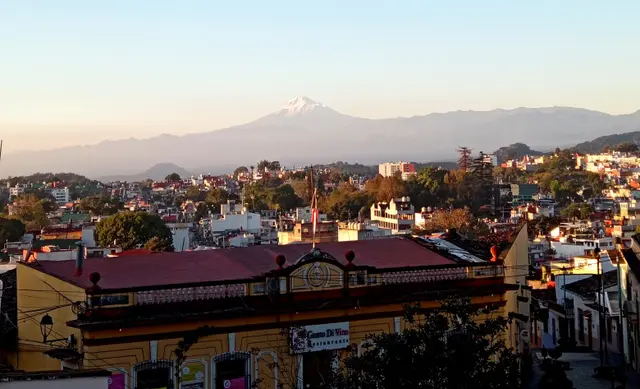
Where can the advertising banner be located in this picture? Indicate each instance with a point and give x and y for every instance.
(334, 336)
(236, 383)
(193, 376)
(117, 381)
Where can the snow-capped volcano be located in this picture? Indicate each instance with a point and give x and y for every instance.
(300, 105)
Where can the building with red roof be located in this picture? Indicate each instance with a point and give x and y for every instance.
(129, 312)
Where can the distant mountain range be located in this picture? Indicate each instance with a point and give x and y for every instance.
(157, 172)
(305, 131)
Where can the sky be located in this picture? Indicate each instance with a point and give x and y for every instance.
(79, 72)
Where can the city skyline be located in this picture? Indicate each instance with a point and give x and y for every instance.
(82, 73)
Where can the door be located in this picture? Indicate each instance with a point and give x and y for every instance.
(316, 368)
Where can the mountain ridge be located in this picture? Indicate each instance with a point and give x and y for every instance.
(304, 131)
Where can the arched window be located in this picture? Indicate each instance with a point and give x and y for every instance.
(153, 375)
(231, 371)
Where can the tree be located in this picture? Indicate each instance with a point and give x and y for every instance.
(129, 230)
(99, 205)
(31, 211)
(577, 211)
(455, 347)
(11, 230)
(195, 194)
(459, 218)
(216, 196)
(173, 177)
(284, 198)
(159, 244)
(240, 170)
(627, 147)
(345, 202)
(386, 188)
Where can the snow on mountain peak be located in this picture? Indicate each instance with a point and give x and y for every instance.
(299, 105)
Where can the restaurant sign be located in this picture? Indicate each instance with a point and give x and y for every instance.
(320, 337)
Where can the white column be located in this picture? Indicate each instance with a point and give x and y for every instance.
(153, 350)
(232, 342)
(300, 371)
(396, 324)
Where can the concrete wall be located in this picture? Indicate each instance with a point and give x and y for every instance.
(67, 383)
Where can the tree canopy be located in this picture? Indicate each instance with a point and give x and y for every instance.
(31, 210)
(11, 230)
(457, 347)
(173, 177)
(99, 205)
(627, 147)
(130, 230)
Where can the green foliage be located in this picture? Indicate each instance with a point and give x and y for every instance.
(268, 165)
(130, 230)
(450, 348)
(386, 188)
(598, 144)
(159, 244)
(173, 177)
(11, 230)
(195, 194)
(627, 147)
(515, 151)
(346, 203)
(459, 218)
(99, 205)
(239, 170)
(577, 211)
(31, 210)
(216, 196)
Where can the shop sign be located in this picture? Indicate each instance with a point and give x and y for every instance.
(117, 381)
(236, 383)
(334, 336)
(193, 376)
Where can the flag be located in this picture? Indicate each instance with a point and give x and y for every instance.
(314, 219)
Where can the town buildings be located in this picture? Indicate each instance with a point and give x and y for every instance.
(390, 169)
(241, 310)
(398, 215)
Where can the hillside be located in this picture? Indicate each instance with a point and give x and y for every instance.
(515, 151)
(306, 132)
(157, 172)
(597, 145)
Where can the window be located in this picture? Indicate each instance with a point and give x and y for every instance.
(231, 370)
(153, 375)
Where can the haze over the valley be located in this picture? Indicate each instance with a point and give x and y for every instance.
(304, 131)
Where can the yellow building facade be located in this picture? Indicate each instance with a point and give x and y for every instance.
(159, 330)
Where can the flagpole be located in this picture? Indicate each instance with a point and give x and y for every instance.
(314, 216)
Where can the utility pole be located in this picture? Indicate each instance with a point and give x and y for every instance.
(620, 323)
(600, 307)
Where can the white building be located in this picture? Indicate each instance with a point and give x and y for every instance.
(389, 169)
(15, 191)
(62, 195)
(180, 233)
(303, 214)
(397, 215)
(235, 217)
(360, 231)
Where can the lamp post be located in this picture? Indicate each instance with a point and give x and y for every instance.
(46, 326)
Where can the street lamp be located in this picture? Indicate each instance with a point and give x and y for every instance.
(46, 326)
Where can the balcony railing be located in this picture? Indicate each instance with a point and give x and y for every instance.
(233, 290)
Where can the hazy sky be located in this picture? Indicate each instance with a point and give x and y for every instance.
(81, 71)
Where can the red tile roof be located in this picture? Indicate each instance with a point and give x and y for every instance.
(159, 269)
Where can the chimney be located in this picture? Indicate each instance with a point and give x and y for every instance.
(79, 260)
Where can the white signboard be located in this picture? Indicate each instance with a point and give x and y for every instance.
(319, 337)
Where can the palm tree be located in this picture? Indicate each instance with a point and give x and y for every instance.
(251, 172)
